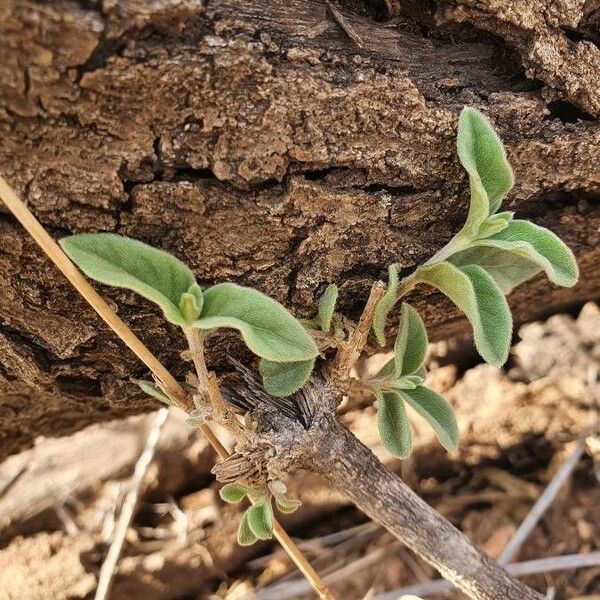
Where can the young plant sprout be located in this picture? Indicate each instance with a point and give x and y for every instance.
(484, 261)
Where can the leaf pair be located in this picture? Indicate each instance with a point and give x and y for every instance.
(394, 427)
(511, 251)
(398, 383)
(267, 328)
(257, 520)
(256, 524)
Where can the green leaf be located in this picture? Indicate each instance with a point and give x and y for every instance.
(402, 383)
(394, 428)
(476, 293)
(284, 379)
(287, 505)
(508, 270)
(411, 342)
(327, 306)
(494, 224)
(268, 329)
(245, 535)
(154, 391)
(126, 263)
(482, 154)
(260, 520)
(232, 493)
(385, 305)
(437, 411)
(540, 246)
(190, 304)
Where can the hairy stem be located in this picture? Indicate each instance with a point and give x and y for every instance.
(351, 350)
(210, 392)
(385, 498)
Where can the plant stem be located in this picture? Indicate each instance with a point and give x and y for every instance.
(352, 469)
(351, 349)
(210, 393)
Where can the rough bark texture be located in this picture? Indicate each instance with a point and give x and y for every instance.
(257, 142)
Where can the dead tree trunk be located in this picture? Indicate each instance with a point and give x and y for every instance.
(269, 143)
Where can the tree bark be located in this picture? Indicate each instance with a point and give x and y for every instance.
(259, 143)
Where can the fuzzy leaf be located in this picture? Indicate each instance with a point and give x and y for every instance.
(245, 536)
(508, 270)
(483, 156)
(154, 391)
(190, 304)
(540, 246)
(232, 493)
(284, 379)
(394, 429)
(268, 329)
(476, 293)
(327, 306)
(411, 342)
(287, 505)
(437, 411)
(260, 520)
(385, 305)
(127, 263)
(494, 224)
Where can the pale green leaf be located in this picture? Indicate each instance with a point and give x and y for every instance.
(154, 391)
(476, 293)
(233, 493)
(385, 305)
(267, 328)
(508, 270)
(540, 246)
(437, 411)
(260, 520)
(190, 304)
(327, 306)
(245, 535)
(411, 342)
(402, 383)
(483, 156)
(284, 379)
(394, 428)
(287, 505)
(494, 224)
(123, 262)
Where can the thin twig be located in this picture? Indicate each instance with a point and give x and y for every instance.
(351, 349)
(542, 504)
(341, 20)
(168, 382)
(292, 589)
(529, 567)
(109, 565)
